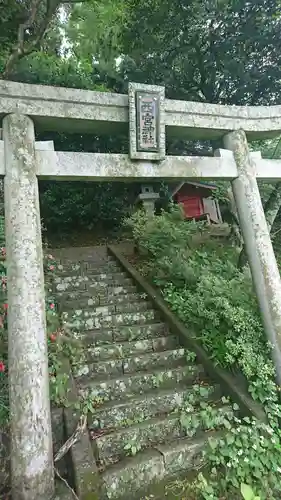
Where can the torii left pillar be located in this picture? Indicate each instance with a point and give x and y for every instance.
(31, 436)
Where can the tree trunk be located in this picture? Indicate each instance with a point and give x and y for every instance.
(271, 210)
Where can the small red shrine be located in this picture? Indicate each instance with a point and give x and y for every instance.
(197, 201)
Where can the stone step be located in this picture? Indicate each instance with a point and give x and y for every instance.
(131, 385)
(137, 363)
(138, 409)
(134, 348)
(90, 320)
(85, 283)
(95, 301)
(103, 275)
(140, 305)
(103, 293)
(84, 267)
(92, 264)
(92, 276)
(121, 307)
(106, 313)
(115, 445)
(128, 478)
(125, 333)
(111, 447)
(78, 256)
(145, 362)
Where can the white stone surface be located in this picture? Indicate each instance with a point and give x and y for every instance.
(31, 436)
(213, 120)
(2, 160)
(99, 166)
(57, 108)
(269, 170)
(103, 166)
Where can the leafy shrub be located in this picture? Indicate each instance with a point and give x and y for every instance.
(69, 205)
(204, 288)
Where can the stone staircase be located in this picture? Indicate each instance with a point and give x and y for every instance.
(135, 374)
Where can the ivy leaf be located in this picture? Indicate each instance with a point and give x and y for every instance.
(247, 492)
(213, 443)
(230, 439)
(202, 479)
(226, 423)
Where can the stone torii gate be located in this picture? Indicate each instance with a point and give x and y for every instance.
(23, 160)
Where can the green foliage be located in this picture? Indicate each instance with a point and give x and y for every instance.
(206, 416)
(248, 453)
(2, 231)
(132, 446)
(93, 29)
(70, 205)
(167, 238)
(203, 287)
(14, 12)
(49, 69)
(247, 492)
(187, 65)
(224, 59)
(41, 21)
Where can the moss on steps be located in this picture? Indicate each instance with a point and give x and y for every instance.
(137, 379)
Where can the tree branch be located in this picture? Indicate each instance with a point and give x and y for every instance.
(23, 47)
(28, 23)
(19, 50)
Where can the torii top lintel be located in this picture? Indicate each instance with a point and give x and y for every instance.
(64, 109)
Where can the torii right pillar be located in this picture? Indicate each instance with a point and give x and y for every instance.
(262, 261)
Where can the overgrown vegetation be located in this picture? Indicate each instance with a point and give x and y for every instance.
(202, 285)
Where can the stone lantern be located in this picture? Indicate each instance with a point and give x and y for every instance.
(148, 198)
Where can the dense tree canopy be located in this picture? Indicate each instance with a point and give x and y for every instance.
(226, 51)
